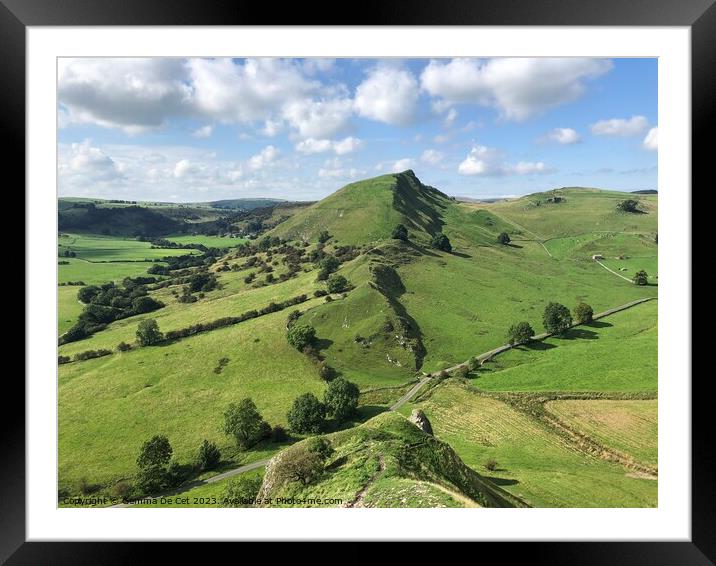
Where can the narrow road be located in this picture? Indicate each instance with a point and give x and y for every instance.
(399, 403)
(612, 271)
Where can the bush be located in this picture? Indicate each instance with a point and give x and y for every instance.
(337, 283)
(400, 232)
(461, 371)
(244, 423)
(122, 490)
(320, 293)
(641, 278)
(341, 398)
(441, 242)
(628, 205)
(307, 414)
(583, 313)
(63, 360)
(326, 372)
(519, 333)
(301, 335)
(90, 354)
(123, 347)
(141, 305)
(241, 491)
(299, 464)
(556, 318)
(503, 238)
(148, 333)
(323, 236)
(320, 446)
(209, 456)
(491, 465)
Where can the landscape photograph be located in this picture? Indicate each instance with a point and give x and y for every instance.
(357, 282)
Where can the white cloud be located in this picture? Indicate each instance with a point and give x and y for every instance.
(203, 132)
(564, 136)
(85, 164)
(487, 161)
(131, 94)
(402, 165)
(651, 141)
(450, 118)
(388, 95)
(340, 147)
(182, 168)
(518, 87)
(266, 156)
(620, 127)
(319, 118)
(431, 156)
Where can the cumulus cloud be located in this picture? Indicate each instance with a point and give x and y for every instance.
(564, 136)
(651, 141)
(84, 164)
(340, 147)
(518, 87)
(389, 95)
(319, 118)
(431, 157)
(489, 162)
(402, 165)
(621, 127)
(265, 157)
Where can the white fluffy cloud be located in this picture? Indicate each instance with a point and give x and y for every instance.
(83, 164)
(622, 127)
(431, 157)
(487, 161)
(340, 147)
(518, 87)
(318, 118)
(265, 157)
(564, 136)
(402, 165)
(651, 141)
(388, 95)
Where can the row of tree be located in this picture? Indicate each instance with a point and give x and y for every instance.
(556, 320)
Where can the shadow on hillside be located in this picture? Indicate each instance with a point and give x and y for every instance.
(420, 249)
(323, 344)
(579, 334)
(502, 481)
(461, 254)
(512, 245)
(599, 324)
(366, 412)
(536, 345)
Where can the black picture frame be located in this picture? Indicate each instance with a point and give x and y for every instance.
(699, 15)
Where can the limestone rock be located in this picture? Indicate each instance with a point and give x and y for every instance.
(418, 418)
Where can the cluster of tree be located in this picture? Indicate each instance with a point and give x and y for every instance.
(323, 236)
(308, 414)
(337, 283)
(71, 283)
(441, 242)
(556, 320)
(69, 253)
(503, 238)
(400, 232)
(107, 303)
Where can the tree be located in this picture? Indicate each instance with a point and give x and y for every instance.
(152, 461)
(337, 283)
(144, 304)
(519, 333)
(341, 398)
(307, 414)
(323, 236)
(441, 242)
(241, 491)
(628, 205)
(556, 318)
(400, 232)
(86, 294)
(244, 423)
(641, 278)
(301, 335)
(504, 238)
(209, 455)
(583, 313)
(148, 333)
(329, 264)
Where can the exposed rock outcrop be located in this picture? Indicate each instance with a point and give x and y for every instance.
(418, 418)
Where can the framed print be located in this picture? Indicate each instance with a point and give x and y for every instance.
(402, 278)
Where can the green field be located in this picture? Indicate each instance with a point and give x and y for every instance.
(613, 354)
(410, 309)
(208, 241)
(533, 463)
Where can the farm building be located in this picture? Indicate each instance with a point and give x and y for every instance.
(597, 256)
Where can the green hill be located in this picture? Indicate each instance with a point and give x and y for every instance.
(367, 211)
(385, 462)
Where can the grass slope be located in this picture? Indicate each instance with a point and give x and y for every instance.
(532, 462)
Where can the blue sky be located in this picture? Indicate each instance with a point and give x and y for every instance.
(205, 129)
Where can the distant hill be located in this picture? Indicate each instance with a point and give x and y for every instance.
(245, 203)
(646, 192)
(368, 210)
(124, 221)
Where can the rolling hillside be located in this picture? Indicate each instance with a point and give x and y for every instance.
(407, 309)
